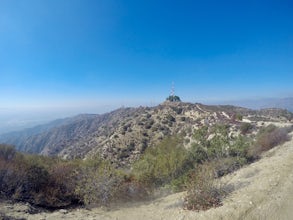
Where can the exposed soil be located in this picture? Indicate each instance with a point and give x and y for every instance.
(262, 190)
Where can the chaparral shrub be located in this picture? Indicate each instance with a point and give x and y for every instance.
(203, 192)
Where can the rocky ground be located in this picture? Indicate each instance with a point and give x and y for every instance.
(262, 190)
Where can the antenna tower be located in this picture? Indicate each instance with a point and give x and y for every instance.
(172, 90)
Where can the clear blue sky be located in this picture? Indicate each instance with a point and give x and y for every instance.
(69, 53)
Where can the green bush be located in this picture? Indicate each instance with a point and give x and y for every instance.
(97, 182)
(211, 143)
(7, 152)
(238, 117)
(163, 163)
(239, 147)
(225, 153)
(179, 184)
(245, 127)
(214, 143)
(173, 98)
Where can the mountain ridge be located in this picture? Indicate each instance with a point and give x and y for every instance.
(123, 135)
(283, 103)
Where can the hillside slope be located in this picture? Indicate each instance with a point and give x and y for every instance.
(33, 140)
(262, 190)
(123, 135)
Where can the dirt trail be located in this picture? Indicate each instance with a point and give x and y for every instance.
(263, 190)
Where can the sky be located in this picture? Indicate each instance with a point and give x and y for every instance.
(90, 56)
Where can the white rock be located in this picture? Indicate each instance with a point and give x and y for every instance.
(63, 211)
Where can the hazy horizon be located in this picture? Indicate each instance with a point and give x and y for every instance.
(14, 120)
(59, 58)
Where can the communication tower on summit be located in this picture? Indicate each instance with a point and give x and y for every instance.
(172, 94)
(173, 97)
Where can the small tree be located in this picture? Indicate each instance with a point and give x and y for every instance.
(173, 98)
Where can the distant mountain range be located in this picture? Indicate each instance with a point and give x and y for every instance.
(283, 103)
(124, 134)
(18, 120)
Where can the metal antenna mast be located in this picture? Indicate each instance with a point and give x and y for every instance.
(172, 90)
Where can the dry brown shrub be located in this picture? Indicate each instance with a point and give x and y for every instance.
(268, 138)
(203, 192)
